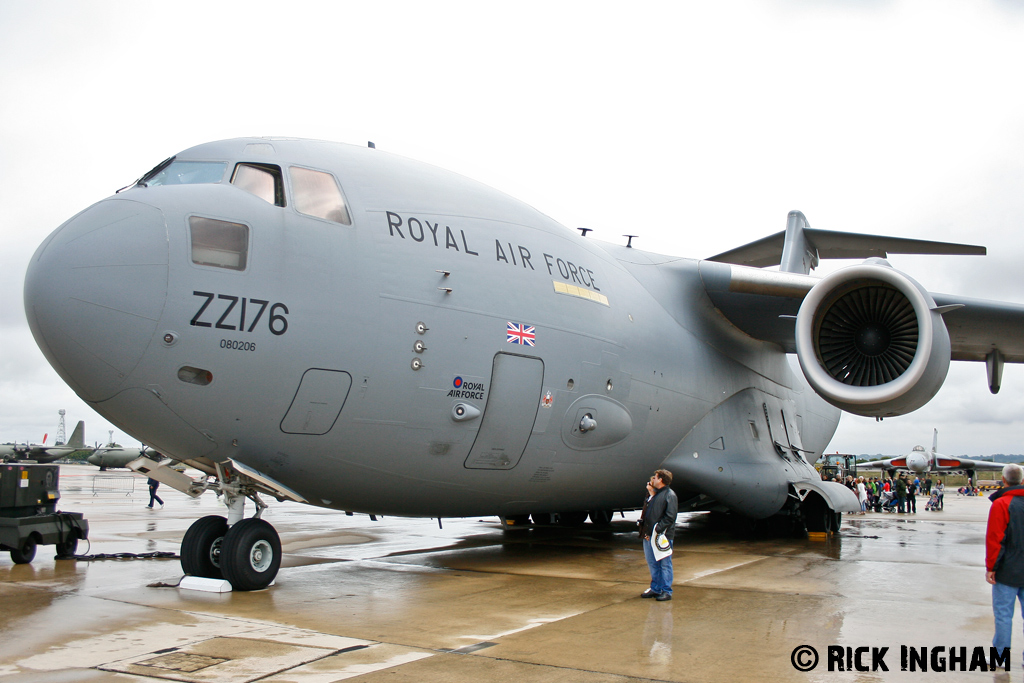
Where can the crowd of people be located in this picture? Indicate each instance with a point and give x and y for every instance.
(899, 494)
(1004, 557)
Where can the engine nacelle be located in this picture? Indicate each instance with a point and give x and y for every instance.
(870, 342)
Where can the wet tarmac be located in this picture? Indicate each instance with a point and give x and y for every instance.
(402, 600)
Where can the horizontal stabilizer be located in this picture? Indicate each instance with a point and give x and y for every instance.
(829, 244)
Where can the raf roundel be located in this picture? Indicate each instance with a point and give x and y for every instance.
(457, 383)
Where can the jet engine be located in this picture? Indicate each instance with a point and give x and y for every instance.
(870, 341)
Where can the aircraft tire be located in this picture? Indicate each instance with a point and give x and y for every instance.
(572, 518)
(26, 553)
(542, 518)
(250, 555)
(600, 517)
(817, 515)
(516, 522)
(202, 546)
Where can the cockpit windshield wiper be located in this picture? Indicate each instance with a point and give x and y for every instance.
(141, 182)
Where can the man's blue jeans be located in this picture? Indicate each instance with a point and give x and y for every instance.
(1003, 598)
(661, 570)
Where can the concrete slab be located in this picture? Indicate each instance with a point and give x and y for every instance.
(353, 663)
(452, 667)
(226, 660)
(401, 599)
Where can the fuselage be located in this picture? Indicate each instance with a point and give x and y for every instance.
(333, 349)
(919, 461)
(35, 453)
(113, 456)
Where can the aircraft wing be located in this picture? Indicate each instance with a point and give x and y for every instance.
(764, 305)
(944, 462)
(980, 326)
(890, 464)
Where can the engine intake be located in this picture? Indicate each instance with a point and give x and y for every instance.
(869, 341)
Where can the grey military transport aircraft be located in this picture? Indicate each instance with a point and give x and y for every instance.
(920, 461)
(114, 455)
(343, 327)
(42, 452)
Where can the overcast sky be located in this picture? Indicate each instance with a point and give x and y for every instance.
(696, 126)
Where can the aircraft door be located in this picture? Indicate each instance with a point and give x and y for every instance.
(513, 400)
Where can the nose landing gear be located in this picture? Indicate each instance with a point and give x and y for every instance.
(251, 554)
(201, 546)
(246, 552)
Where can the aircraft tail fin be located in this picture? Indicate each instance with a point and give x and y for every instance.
(798, 248)
(935, 441)
(77, 439)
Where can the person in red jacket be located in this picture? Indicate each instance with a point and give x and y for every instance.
(1004, 553)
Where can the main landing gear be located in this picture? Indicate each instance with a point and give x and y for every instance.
(818, 516)
(599, 518)
(246, 552)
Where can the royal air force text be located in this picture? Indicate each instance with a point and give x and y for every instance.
(425, 232)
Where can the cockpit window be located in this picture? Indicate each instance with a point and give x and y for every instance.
(262, 180)
(219, 243)
(315, 193)
(186, 173)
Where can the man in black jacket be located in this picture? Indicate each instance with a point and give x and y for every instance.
(659, 517)
(901, 493)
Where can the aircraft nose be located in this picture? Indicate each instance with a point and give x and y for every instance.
(94, 292)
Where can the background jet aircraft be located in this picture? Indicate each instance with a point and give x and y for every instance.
(44, 453)
(920, 461)
(351, 329)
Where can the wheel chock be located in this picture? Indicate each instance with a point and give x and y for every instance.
(198, 583)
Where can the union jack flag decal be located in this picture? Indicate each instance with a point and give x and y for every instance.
(521, 334)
